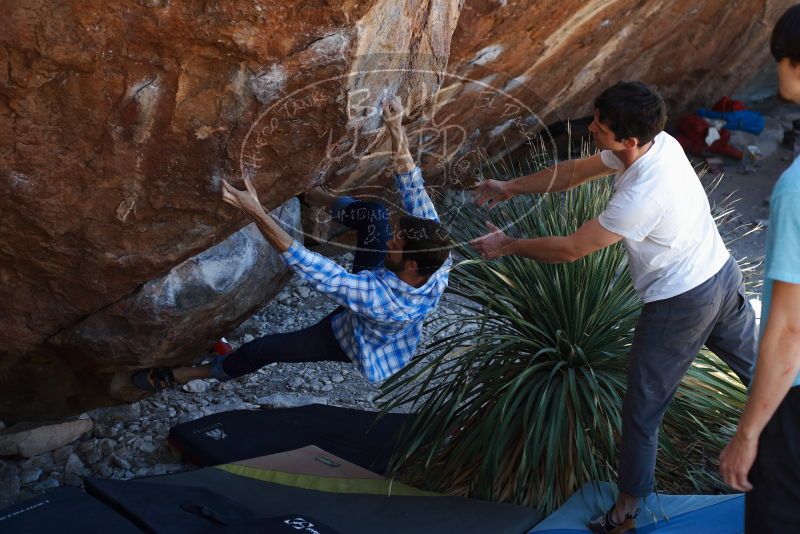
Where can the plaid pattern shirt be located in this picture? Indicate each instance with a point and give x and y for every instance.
(382, 321)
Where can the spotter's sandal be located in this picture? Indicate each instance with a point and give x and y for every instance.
(603, 524)
(154, 379)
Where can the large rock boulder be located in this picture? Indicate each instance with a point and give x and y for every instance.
(118, 121)
(168, 318)
(120, 118)
(516, 66)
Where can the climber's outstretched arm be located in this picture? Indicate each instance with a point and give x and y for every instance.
(407, 176)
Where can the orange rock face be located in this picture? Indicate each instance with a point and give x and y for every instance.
(118, 120)
(515, 66)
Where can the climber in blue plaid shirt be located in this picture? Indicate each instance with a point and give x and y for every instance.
(395, 282)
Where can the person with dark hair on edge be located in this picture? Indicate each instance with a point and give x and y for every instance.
(693, 290)
(396, 280)
(763, 458)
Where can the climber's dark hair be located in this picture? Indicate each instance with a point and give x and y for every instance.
(632, 109)
(425, 241)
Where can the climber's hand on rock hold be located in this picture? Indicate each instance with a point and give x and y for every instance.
(246, 200)
(393, 112)
(393, 119)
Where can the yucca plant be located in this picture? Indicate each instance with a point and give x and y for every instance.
(519, 394)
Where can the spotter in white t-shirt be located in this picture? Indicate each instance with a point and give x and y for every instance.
(661, 210)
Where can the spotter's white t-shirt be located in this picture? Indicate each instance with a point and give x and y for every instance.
(661, 210)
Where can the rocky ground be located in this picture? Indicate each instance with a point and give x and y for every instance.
(129, 441)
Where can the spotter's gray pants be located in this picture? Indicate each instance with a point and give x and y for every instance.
(668, 336)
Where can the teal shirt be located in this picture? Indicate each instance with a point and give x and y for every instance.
(783, 239)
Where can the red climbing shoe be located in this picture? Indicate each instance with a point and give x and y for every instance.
(222, 347)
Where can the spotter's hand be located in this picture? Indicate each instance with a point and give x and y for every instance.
(493, 244)
(491, 191)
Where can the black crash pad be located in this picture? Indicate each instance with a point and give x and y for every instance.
(66, 511)
(357, 436)
(358, 513)
(180, 509)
